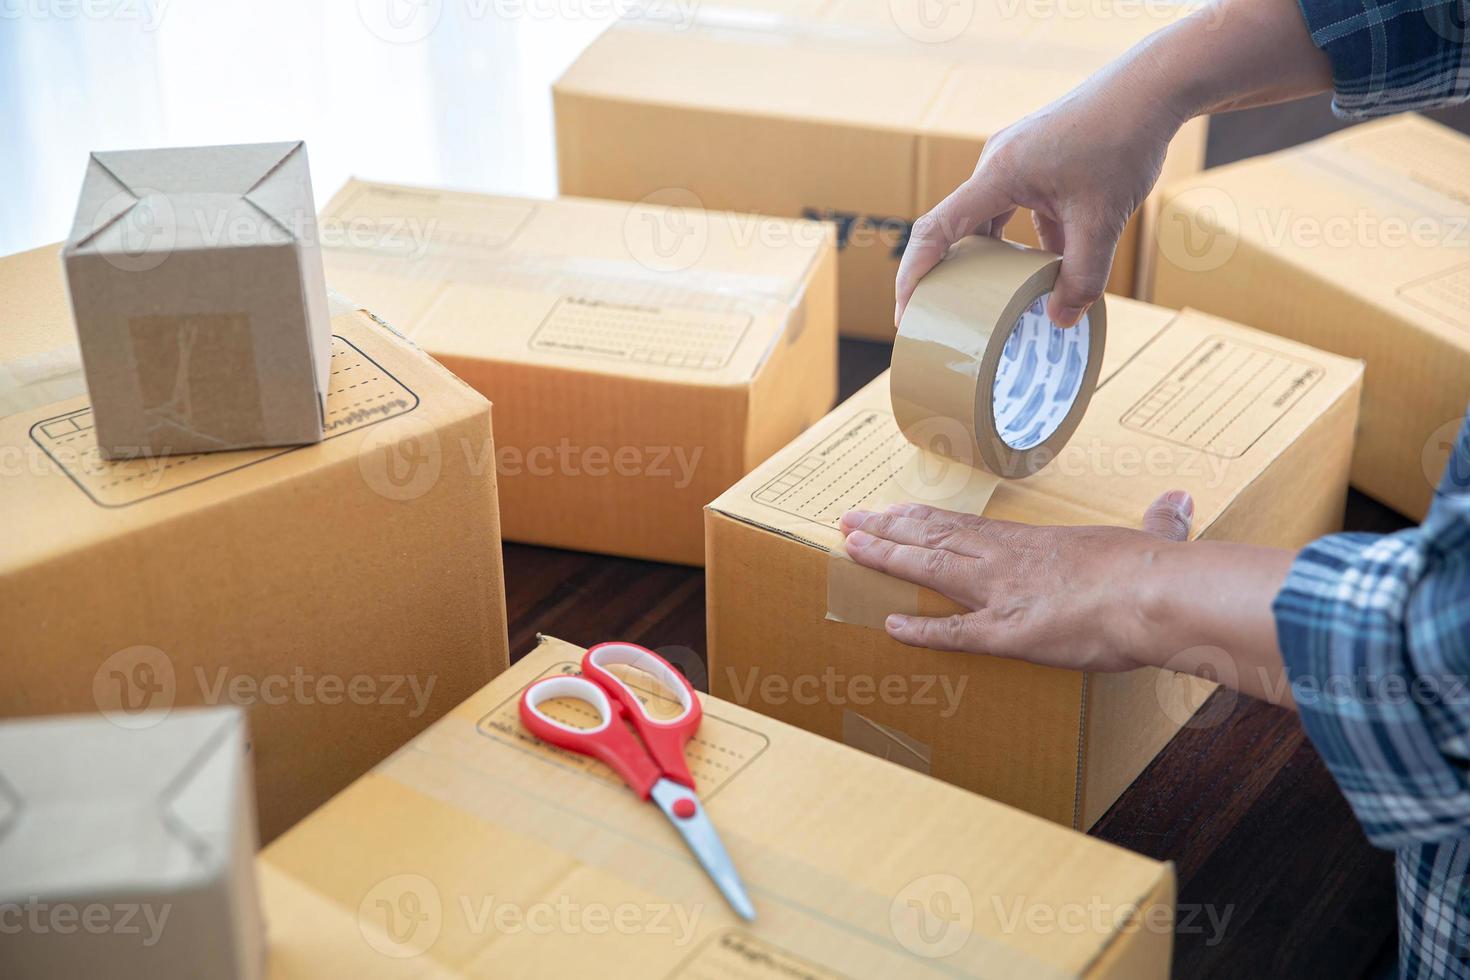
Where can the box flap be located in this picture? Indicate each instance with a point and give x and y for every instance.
(841, 853)
(190, 197)
(1184, 400)
(683, 295)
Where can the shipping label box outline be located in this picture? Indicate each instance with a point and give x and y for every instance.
(462, 814)
(226, 576)
(1358, 243)
(795, 629)
(833, 112)
(631, 392)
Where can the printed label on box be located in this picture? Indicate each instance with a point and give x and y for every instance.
(377, 219)
(1222, 397)
(699, 339)
(1444, 294)
(713, 760)
(736, 955)
(844, 470)
(362, 392)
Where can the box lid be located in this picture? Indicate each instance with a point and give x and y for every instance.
(70, 498)
(1185, 400)
(680, 294)
(93, 805)
(841, 853)
(141, 202)
(865, 64)
(1379, 211)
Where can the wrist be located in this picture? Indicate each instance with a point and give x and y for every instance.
(1156, 624)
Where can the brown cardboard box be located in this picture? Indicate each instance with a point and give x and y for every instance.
(130, 854)
(1358, 243)
(479, 851)
(643, 358)
(347, 593)
(1257, 428)
(853, 111)
(196, 282)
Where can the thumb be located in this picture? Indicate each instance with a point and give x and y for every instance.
(1170, 516)
(1086, 261)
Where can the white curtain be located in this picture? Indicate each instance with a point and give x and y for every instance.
(453, 93)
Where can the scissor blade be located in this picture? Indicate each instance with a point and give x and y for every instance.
(700, 835)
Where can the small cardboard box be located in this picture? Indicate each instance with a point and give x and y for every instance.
(479, 851)
(129, 853)
(643, 358)
(1257, 428)
(348, 592)
(1358, 243)
(859, 112)
(196, 283)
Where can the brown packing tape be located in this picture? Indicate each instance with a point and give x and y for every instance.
(980, 378)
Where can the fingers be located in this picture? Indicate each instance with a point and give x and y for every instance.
(923, 512)
(975, 202)
(925, 532)
(1170, 516)
(1087, 258)
(943, 633)
(943, 571)
(1049, 233)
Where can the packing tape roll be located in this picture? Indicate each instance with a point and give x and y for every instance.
(981, 376)
(980, 373)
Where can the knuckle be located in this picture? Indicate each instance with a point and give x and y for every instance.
(935, 534)
(952, 629)
(935, 563)
(927, 228)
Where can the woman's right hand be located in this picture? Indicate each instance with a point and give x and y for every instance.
(1083, 165)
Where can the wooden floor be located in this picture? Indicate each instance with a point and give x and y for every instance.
(1275, 878)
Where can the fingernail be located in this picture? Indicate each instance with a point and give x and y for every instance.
(1067, 316)
(896, 621)
(859, 539)
(1181, 501)
(855, 517)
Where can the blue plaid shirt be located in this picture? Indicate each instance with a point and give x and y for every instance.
(1375, 632)
(1392, 55)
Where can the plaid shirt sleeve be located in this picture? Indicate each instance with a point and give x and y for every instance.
(1392, 55)
(1375, 633)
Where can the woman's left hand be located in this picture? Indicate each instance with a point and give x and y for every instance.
(1063, 596)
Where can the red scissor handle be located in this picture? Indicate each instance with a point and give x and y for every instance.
(608, 741)
(665, 739)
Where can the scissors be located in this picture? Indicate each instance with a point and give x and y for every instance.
(655, 768)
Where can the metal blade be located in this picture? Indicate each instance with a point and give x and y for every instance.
(705, 844)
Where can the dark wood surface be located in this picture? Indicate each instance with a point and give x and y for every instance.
(1244, 808)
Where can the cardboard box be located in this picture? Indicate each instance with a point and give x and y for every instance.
(129, 854)
(1257, 428)
(479, 851)
(196, 282)
(348, 593)
(1358, 243)
(855, 112)
(643, 358)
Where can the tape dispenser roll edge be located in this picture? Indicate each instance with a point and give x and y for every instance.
(949, 348)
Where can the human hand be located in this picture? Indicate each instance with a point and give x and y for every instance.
(1060, 596)
(1083, 165)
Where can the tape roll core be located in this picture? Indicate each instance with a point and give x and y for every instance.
(980, 373)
